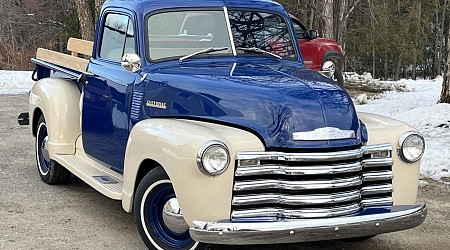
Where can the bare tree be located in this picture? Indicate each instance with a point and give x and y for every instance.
(86, 20)
(98, 8)
(328, 19)
(445, 94)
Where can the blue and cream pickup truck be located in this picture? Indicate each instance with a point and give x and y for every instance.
(201, 117)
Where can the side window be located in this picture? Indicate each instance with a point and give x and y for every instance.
(301, 34)
(117, 38)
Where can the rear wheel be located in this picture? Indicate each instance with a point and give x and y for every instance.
(49, 170)
(157, 214)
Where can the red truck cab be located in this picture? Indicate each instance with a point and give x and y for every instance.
(316, 50)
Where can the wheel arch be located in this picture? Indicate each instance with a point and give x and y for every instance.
(35, 119)
(335, 57)
(173, 144)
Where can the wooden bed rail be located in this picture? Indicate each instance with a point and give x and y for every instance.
(77, 47)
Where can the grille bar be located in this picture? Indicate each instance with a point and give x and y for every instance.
(298, 170)
(297, 213)
(378, 176)
(314, 157)
(377, 189)
(297, 185)
(244, 200)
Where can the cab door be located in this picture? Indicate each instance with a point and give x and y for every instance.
(107, 94)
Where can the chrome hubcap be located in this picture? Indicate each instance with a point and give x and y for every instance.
(173, 218)
(44, 149)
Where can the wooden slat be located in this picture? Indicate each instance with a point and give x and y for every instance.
(67, 61)
(78, 46)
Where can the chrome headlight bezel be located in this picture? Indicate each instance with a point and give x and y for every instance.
(401, 143)
(204, 150)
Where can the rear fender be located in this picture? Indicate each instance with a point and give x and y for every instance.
(58, 100)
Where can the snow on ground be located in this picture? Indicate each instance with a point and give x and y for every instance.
(413, 102)
(418, 107)
(15, 82)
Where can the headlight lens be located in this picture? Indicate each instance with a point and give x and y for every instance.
(411, 147)
(213, 158)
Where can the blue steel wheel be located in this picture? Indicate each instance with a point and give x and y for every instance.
(153, 194)
(49, 170)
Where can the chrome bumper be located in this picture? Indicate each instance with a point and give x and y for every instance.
(304, 230)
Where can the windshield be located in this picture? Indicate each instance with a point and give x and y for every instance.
(173, 35)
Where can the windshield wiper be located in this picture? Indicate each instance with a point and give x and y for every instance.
(258, 50)
(204, 51)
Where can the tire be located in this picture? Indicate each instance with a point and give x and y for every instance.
(152, 194)
(49, 170)
(339, 77)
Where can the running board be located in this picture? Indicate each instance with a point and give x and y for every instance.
(101, 178)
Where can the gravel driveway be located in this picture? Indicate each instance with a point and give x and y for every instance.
(34, 215)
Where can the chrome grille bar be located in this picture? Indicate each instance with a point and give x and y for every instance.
(297, 185)
(377, 189)
(378, 176)
(314, 157)
(383, 201)
(298, 170)
(243, 200)
(297, 213)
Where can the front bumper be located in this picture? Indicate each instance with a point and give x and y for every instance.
(304, 230)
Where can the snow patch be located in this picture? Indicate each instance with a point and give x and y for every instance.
(15, 82)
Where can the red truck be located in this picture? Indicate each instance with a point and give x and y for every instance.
(316, 51)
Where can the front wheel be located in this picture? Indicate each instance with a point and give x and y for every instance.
(50, 171)
(158, 216)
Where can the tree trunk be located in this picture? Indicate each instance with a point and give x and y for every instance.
(445, 94)
(86, 20)
(98, 7)
(328, 19)
(437, 60)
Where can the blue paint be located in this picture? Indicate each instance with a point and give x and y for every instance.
(269, 97)
(160, 195)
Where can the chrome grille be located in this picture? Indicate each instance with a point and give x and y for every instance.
(277, 185)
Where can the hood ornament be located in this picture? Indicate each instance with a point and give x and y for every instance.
(322, 134)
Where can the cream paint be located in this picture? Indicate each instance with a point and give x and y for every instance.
(406, 176)
(58, 99)
(174, 144)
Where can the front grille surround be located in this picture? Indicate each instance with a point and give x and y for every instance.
(278, 185)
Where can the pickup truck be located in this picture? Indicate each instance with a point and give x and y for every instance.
(319, 53)
(201, 118)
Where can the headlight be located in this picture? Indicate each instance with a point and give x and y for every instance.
(213, 158)
(411, 147)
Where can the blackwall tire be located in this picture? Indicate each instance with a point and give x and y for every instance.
(152, 193)
(339, 77)
(49, 170)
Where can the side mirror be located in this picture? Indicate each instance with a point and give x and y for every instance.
(313, 34)
(131, 62)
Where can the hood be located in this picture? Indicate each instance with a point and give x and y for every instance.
(272, 100)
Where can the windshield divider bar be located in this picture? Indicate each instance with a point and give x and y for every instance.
(230, 33)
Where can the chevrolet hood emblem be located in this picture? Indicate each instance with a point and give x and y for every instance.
(322, 134)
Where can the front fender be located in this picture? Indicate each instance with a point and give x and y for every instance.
(174, 144)
(383, 129)
(58, 100)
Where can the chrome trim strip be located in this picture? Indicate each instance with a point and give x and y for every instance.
(297, 185)
(303, 230)
(377, 189)
(382, 201)
(279, 213)
(378, 176)
(314, 157)
(298, 170)
(322, 134)
(285, 199)
(230, 33)
(373, 163)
